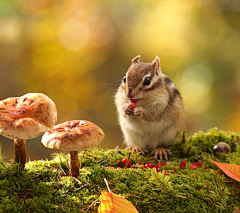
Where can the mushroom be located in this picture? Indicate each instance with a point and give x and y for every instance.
(73, 136)
(26, 117)
(221, 147)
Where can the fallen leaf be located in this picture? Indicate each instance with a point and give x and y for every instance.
(112, 203)
(231, 170)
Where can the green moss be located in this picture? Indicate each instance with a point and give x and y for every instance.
(43, 187)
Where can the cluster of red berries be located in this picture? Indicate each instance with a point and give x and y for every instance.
(146, 166)
(157, 168)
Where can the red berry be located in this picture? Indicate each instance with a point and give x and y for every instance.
(124, 161)
(117, 161)
(112, 167)
(163, 163)
(198, 164)
(193, 166)
(157, 169)
(183, 164)
(133, 105)
(148, 165)
(140, 164)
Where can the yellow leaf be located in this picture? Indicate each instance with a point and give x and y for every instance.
(111, 203)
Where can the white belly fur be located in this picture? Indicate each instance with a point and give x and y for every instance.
(147, 135)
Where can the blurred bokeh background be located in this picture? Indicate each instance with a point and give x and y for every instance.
(77, 52)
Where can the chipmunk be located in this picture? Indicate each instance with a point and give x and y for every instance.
(158, 115)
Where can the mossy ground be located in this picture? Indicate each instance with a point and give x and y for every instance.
(43, 187)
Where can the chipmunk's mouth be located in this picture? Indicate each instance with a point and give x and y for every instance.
(133, 100)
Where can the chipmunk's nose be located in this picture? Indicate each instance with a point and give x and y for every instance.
(130, 93)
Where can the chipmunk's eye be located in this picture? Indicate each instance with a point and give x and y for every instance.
(124, 79)
(146, 81)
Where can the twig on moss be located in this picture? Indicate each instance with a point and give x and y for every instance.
(207, 189)
(105, 180)
(32, 172)
(216, 204)
(82, 160)
(87, 208)
(129, 153)
(111, 181)
(61, 169)
(54, 182)
(36, 175)
(217, 182)
(63, 207)
(29, 209)
(40, 182)
(141, 194)
(76, 180)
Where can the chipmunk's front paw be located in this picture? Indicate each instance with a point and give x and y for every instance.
(138, 111)
(127, 109)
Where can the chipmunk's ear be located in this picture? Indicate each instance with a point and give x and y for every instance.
(156, 66)
(136, 59)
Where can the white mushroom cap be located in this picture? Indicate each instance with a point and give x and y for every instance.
(27, 116)
(76, 135)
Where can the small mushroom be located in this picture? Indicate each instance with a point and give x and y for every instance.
(221, 147)
(73, 136)
(26, 117)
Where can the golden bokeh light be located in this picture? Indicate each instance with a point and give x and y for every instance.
(196, 84)
(77, 52)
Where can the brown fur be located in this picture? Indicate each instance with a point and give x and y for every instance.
(159, 114)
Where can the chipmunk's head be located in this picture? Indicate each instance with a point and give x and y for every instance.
(141, 78)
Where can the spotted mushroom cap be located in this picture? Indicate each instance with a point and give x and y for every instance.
(27, 116)
(76, 135)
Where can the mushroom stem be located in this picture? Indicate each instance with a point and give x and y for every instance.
(20, 151)
(74, 165)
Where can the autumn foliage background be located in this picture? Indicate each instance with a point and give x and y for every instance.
(77, 52)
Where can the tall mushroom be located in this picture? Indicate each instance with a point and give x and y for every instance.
(73, 136)
(26, 117)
